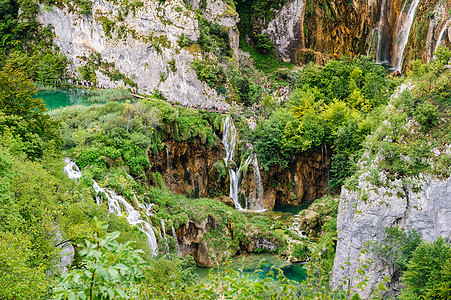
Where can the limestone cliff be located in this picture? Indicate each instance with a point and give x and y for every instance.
(386, 192)
(431, 23)
(308, 30)
(305, 179)
(425, 208)
(188, 168)
(286, 30)
(209, 241)
(195, 169)
(136, 44)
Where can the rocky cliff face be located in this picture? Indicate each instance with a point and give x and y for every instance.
(425, 207)
(305, 179)
(137, 44)
(191, 241)
(308, 30)
(431, 21)
(286, 30)
(192, 168)
(209, 242)
(187, 168)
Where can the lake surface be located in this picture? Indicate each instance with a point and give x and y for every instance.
(293, 209)
(264, 262)
(63, 98)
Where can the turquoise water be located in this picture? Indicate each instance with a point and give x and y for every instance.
(264, 262)
(62, 98)
(293, 209)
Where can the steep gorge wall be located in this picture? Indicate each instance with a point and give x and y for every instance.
(432, 17)
(195, 169)
(308, 30)
(305, 179)
(425, 207)
(137, 44)
(188, 168)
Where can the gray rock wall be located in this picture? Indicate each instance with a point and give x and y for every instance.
(286, 29)
(133, 54)
(428, 211)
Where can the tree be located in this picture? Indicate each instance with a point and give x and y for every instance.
(424, 271)
(108, 269)
(25, 115)
(19, 280)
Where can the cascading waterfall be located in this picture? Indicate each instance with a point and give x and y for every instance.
(163, 228)
(229, 141)
(174, 236)
(403, 26)
(440, 37)
(371, 41)
(168, 166)
(383, 38)
(295, 228)
(71, 169)
(254, 203)
(115, 205)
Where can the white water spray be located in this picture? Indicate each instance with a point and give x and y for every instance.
(403, 26)
(174, 236)
(163, 228)
(382, 49)
(116, 204)
(229, 140)
(440, 37)
(71, 169)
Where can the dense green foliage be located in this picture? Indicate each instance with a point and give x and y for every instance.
(108, 269)
(334, 106)
(120, 134)
(428, 272)
(394, 251)
(22, 116)
(414, 127)
(26, 45)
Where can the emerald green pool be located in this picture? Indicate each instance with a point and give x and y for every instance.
(264, 262)
(63, 98)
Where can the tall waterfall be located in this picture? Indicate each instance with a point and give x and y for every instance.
(403, 26)
(176, 240)
(168, 166)
(163, 228)
(115, 205)
(383, 37)
(229, 140)
(440, 36)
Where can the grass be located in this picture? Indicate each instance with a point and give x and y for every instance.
(102, 96)
(265, 63)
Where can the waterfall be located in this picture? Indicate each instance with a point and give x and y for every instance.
(174, 236)
(440, 38)
(115, 205)
(163, 228)
(403, 26)
(371, 39)
(229, 140)
(383, 37)
(168, 166)
(255, 203)
(71, 169)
